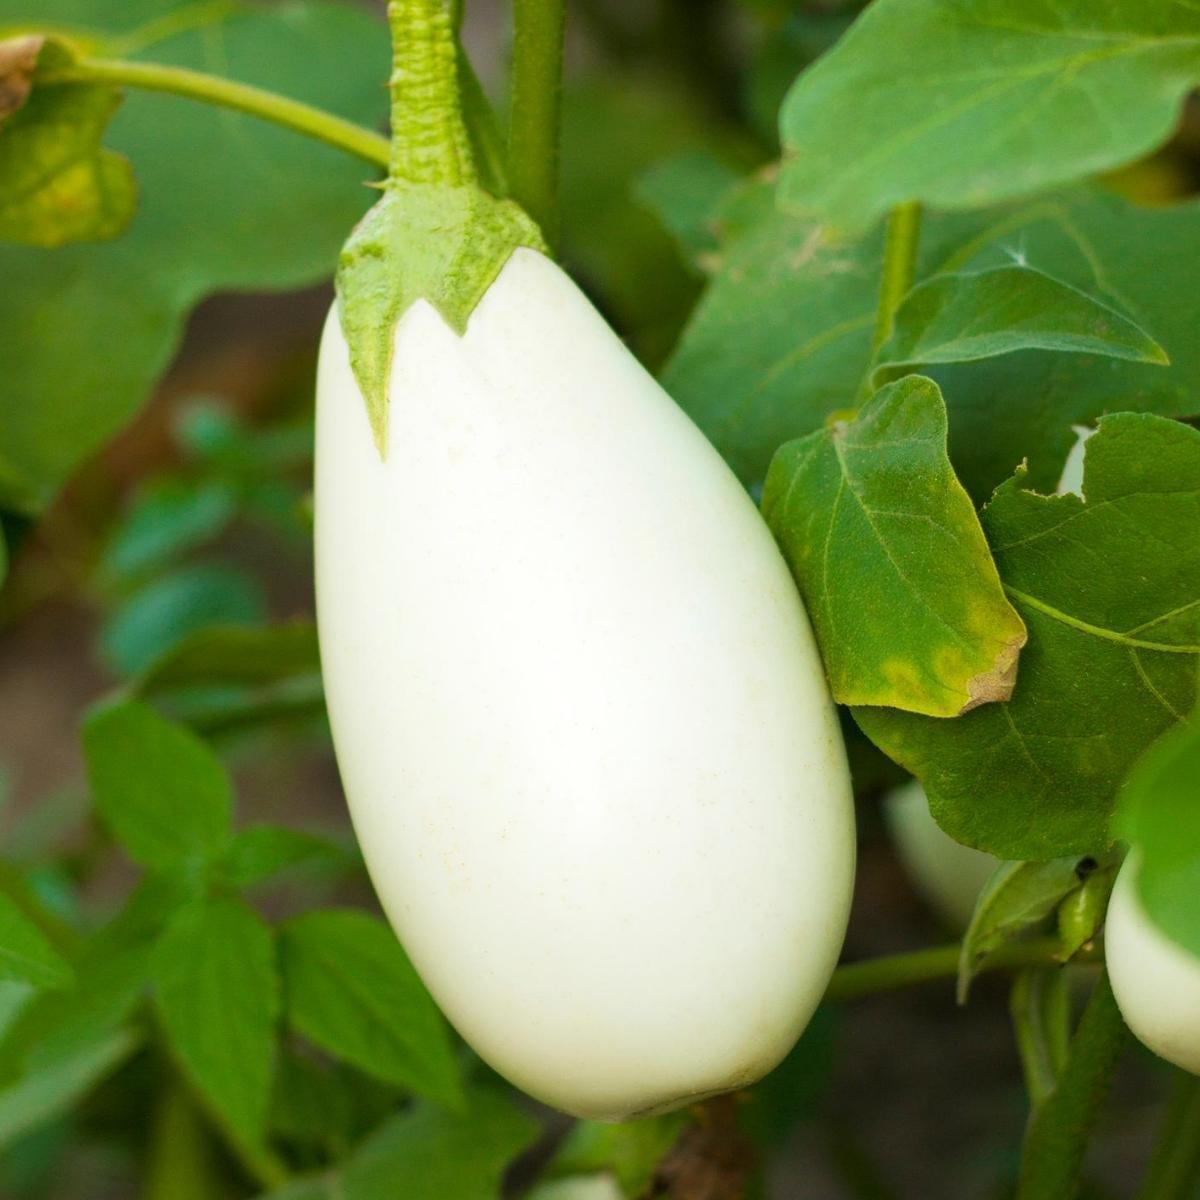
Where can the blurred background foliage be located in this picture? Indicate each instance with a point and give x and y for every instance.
(167, 555)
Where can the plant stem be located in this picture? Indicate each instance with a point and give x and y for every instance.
(854, 980)
(1040, 1008)
(1059, 1129)
(228, 93)
(899, 267)
(536, 109)
(429, 136)
(1174, 1171)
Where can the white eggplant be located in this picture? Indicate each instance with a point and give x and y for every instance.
(580, 717)
(1155, 981)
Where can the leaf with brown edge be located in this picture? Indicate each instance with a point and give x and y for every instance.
(890, 557)
(1108, 583)
(18, 61)
(57, 183)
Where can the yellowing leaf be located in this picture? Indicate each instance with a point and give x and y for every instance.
(889, 555)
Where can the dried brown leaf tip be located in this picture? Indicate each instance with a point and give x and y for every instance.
(18, 61)
(998, 683)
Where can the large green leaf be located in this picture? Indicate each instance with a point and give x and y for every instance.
(963, 103)
(216, 988)
(782, 336)
(226, 202)
(1109, 588)
(25, 954)
(1160, 814)
(893, 566)
(57, 183)
(350, 989)
(970, 315)
(160, 789)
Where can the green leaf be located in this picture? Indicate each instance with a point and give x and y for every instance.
(429, 1154)
(686, 193)
(216, 989)
(25, 954)
(57, 184)
(1107, 586)
(227, 203)
(157, 786)
(1159, 813)
(258, 853)
(325, 1105)
(168, 517)
(112, 970)
(350, 989)
(781, 339)
(234, 654)
(893, 566)
(972, 315)
(1019, 897)
(629, 1151)
(963, 103)
(44, 1094)
(156, 618)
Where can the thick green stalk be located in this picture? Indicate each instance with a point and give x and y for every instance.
(1174, 1171)
(228, 93)
(1059, 1129)
(429, 136)
(536, 109)
(1040, 1006)
(854, 980)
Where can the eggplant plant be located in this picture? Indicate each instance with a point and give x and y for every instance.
(784, 407)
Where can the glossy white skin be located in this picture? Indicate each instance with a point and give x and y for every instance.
(947, 874)
(578, 710)
(1156, 982)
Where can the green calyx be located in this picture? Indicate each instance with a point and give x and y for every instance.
(435, 234)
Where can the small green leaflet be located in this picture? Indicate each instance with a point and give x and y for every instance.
(983, 314)
(258, 853)
(168, 517)
(57, 184)
(1109, 588)
(157, 617)
(350, 989)
(46, 1093)
(427, 1153)
(234, 654)
(25, 954)
(891, 560)
(1018, 897)
(1159, 813)
(963, 103)
(216, 989)
(157, 786)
